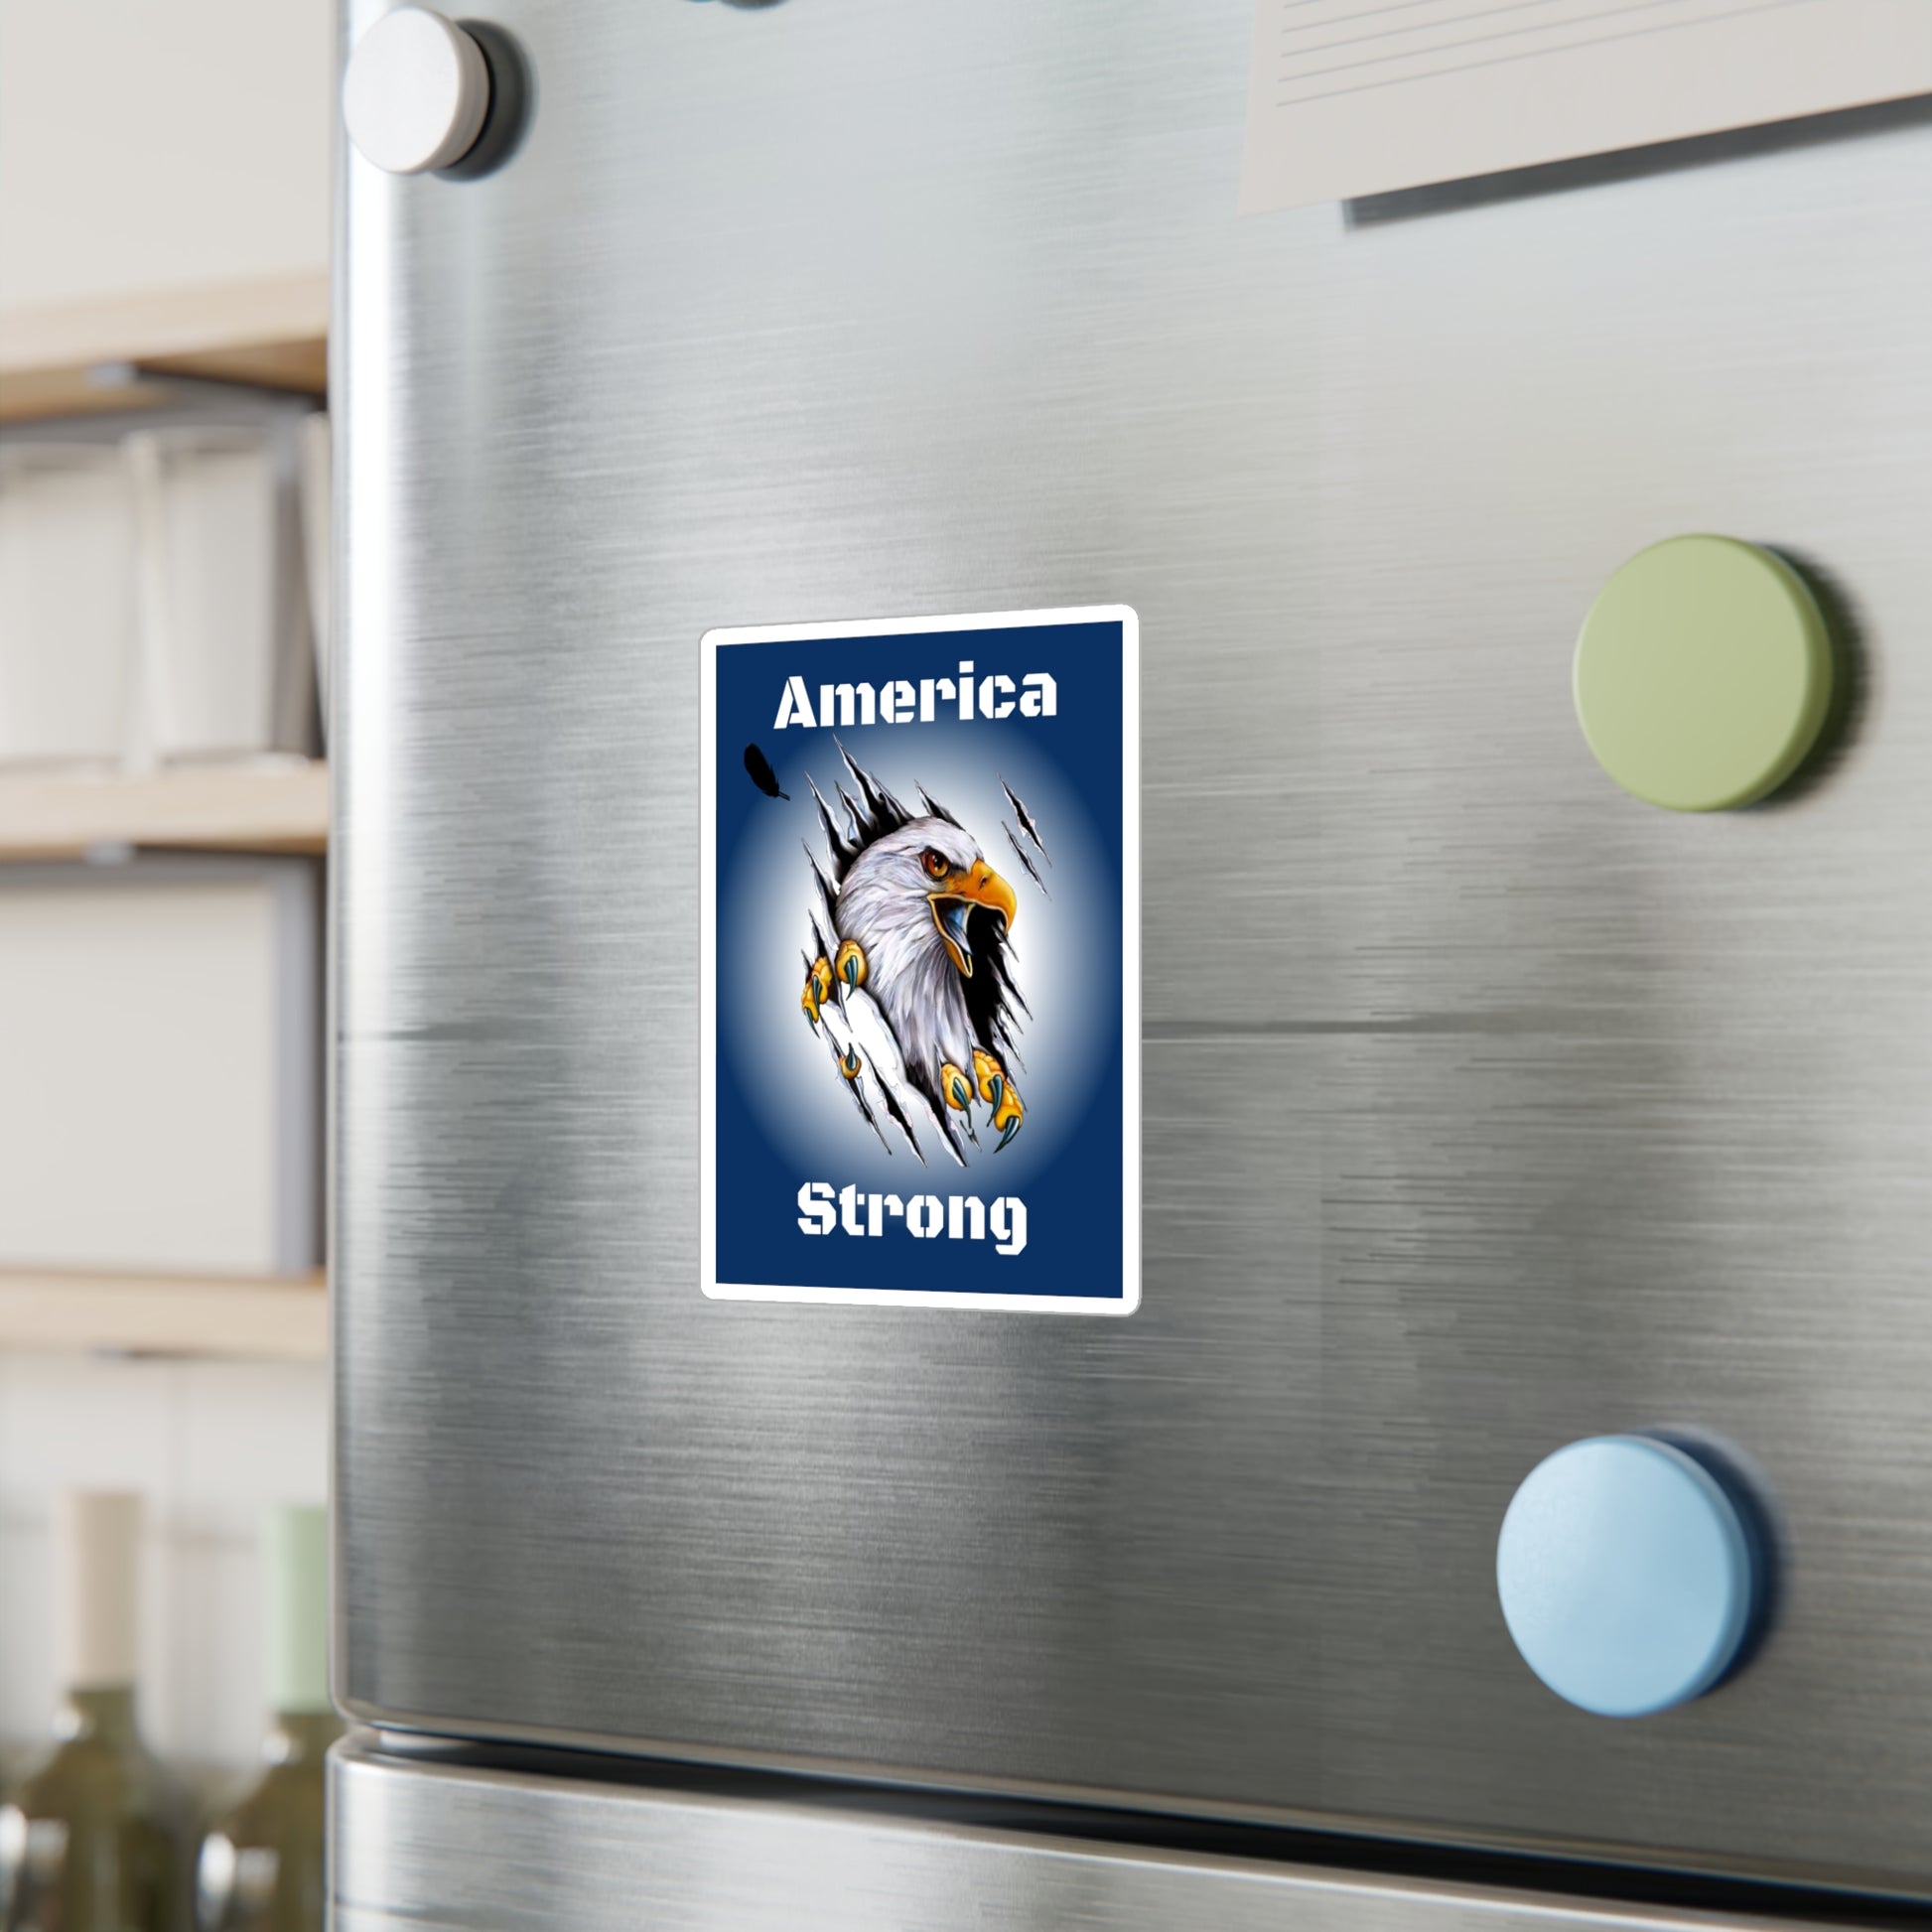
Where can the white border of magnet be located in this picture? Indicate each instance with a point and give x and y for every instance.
(1129, 962)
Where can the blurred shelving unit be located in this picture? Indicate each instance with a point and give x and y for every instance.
(260, 1320)
(125, 352)
(121, 353)
(165, 225)
(277, 805)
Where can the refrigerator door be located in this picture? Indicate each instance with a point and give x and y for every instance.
(418, 1845)
(1484, 1107)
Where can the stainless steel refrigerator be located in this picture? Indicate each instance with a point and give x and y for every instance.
(709, 1556)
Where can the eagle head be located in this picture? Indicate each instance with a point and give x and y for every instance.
(909, 899)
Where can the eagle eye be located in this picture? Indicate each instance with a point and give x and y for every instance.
(937, 864)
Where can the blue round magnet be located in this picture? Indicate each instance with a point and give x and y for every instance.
(1626, 1574)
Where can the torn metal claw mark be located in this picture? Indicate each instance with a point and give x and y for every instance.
(1019, 853)
(1028, 823)
(899, 1114)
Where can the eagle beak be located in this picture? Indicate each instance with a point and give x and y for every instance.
(978, 886)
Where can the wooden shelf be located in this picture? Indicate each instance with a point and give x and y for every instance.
(118, 353)
(274, 805)
(269, 1319)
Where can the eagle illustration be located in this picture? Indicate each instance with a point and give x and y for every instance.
(912, 926)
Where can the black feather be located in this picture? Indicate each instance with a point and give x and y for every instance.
(763, 774)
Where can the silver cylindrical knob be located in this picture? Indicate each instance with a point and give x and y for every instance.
(416, 92)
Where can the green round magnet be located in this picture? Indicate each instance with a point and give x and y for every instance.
(1704, 671)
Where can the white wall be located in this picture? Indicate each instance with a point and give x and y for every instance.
(210, 1445)
(156, 144)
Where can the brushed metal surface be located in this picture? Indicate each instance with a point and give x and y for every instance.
(1484, 1107)
(417, 1846)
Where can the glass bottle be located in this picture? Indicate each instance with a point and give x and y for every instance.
(261, 1866)
(93, 1840)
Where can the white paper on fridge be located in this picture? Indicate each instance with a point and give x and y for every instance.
(1353, 97)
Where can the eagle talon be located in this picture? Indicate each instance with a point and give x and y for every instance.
(851, 964)
(850, 1064)
(1000, 1094)
(818, 989)
(988, 1075)
(958, 1093)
